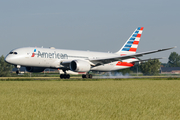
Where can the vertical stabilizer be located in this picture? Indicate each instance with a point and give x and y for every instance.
(131, 44)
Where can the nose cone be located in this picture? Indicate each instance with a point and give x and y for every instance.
(7, 59)
(13, 59)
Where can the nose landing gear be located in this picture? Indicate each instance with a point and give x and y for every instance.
(18, 67)
(17, 71)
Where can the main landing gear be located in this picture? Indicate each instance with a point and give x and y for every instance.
(87, 76)
(65, 75)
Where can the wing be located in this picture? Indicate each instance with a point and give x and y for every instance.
(120, 58)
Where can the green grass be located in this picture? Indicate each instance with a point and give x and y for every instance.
(87, 100)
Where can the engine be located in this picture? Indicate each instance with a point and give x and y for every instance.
(80, 66)
(35, 69)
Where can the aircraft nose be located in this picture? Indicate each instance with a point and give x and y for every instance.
(7, 59)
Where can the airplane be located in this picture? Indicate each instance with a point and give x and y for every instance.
(37, 59)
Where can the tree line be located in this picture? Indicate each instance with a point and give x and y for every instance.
(5, 68)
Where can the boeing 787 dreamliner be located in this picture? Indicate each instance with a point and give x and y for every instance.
(38, 59)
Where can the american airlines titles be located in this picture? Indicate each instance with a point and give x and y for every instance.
(52, 55)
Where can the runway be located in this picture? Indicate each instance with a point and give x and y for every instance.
(79, 78)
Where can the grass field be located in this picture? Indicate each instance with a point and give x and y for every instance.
(90, 100)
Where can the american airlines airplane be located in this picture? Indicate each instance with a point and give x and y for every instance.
(38, 59)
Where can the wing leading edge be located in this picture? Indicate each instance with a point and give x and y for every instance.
(120, 58)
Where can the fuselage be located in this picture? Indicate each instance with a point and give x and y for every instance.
(52, 58)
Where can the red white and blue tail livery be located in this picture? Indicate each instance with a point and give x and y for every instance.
(131, 45)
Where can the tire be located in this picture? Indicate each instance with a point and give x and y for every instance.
(67, 76)
(83, 76)
(64, 76)
(61, 76)
(87, 75)
(17, 72)
(90, 76)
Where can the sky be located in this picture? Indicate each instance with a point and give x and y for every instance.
(94, 25)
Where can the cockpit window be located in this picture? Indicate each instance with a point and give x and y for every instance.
(13, 53)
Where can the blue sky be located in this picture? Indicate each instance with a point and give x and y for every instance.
(95, 25)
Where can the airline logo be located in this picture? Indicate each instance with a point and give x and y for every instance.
(33, 54)
(132, 43)
(49, 55)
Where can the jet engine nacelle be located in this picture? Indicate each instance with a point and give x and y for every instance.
(35, 69)
(80, 66)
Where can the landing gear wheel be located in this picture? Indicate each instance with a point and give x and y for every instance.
(17, 72)
(64, 76)
(67, 76)
(90, 76)
(87, 76)
(83, 76)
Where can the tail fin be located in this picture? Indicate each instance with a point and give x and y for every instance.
(131, 44)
